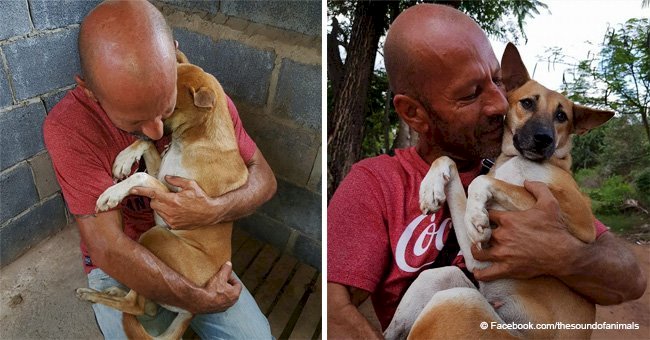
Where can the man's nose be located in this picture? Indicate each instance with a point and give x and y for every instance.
(495, 102)
(153, 129)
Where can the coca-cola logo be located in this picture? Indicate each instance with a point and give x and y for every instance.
(432, 234)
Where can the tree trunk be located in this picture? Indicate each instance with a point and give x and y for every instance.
(644, 119)
(405, 136)
(344, 143)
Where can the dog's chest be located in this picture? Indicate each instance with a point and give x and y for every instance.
(172, 165)
(517, 169)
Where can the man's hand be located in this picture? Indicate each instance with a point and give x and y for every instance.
(527, 243)
(191, 207)
(187, 209)
(222, 292)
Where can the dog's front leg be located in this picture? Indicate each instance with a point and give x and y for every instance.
(140, 148)
(116, 193)
(443, 183)
(486, 191)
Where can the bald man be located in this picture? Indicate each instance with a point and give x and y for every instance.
(447, 85)
(126, 89)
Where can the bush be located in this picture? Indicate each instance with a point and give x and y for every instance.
(609, 197)
(642, 184)
(588, 178)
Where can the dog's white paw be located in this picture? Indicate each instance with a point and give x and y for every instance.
(432, 188)
(478, 222)
(124, 162)
(111, 198)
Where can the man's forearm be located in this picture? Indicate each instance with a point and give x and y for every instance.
(347, 322)
(133, 265)
(137, 268)
(604, 271)
(259, 188)
(344, 321)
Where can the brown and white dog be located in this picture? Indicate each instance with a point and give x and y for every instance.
(441, 303)
(203, 148)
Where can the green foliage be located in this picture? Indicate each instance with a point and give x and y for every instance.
(625, 148)
(588, 178)
(618, 76)
(642, 185)
(623, 222)
(612, 163)
(609, 198)
(377, 124)
(490, 14)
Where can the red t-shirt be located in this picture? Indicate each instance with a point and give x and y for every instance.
(83, 143)
(377, 237)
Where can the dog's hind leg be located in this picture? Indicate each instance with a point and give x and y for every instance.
(419, 294)
(131, 303)
(459, 313)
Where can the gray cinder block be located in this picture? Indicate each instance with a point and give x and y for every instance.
(48, 14)
(300, 16)
(20, 133)
(14, 19)
(18, 192)
(298, 95)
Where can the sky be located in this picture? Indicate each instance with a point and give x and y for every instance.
(569, 26)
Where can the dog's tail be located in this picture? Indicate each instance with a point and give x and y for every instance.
(134, 330)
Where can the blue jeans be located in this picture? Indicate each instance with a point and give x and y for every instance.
(243, 320)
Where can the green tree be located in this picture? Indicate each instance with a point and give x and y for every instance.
(619, 75)
(355, 31)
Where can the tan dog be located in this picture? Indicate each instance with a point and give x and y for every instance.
(536, 146)
(203, 148)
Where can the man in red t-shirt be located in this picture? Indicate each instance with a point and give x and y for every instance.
(127, 88)
(447, 87)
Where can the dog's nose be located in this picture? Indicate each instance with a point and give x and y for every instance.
(542, 140)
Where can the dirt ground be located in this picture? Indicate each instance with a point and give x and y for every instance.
(637, 311)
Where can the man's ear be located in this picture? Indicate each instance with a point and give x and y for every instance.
(513, 70)
(82, 83)
(586, 118)
(412, 112)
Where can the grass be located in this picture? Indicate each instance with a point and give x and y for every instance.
(621, 223)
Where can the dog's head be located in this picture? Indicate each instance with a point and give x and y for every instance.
(200, 97)
(540, 121)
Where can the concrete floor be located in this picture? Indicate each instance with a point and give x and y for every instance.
(37, 299)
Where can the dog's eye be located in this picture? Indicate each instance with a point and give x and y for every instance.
(527, 104)
(561, 117)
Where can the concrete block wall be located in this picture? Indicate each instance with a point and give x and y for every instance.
(38, 59)
(267, 56)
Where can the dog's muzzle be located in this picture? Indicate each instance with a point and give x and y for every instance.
(535, 140)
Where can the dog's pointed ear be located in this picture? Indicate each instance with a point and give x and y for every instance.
(181, 58)
(204, 97)
(586, 118)
(513, 70)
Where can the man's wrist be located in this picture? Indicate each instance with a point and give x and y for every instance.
(217, 209)
(570, 260)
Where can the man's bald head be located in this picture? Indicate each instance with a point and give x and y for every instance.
(127, 40)
(128, 62)
(420, 37)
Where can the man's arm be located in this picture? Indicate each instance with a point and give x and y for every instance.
(191, 207)
(344, 321)
(137, 268)
(535, 242)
